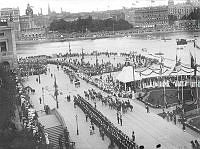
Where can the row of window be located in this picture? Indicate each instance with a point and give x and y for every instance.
(179, 10)
(152, 23)
(161, 18)
(3, 46)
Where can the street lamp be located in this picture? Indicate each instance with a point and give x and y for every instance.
(43, 94)
(77, 132)
(56, 92)
(39, 79)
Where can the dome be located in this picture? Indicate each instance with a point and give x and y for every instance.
(170, 2)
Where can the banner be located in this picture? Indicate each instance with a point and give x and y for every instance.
(193, 64)
(177, 66)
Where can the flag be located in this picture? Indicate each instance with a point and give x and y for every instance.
(160, 70)
(196, 46)
(181, 42)
(55, 84)
(193, 64)
(161, 64)
(177, 66)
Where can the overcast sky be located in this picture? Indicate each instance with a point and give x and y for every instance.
(79, 5)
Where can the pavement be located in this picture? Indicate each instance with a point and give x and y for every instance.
(150, 129)
(84, 140)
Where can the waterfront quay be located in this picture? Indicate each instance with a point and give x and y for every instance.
(150, 129)
(166, 133)
(122, 78)
(78, 100)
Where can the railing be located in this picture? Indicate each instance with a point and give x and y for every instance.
(7, 53)
(59, 117)
(68, 143)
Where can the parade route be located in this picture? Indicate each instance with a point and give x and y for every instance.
(84, 140)
(150, 129)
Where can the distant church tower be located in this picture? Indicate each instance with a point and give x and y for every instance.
(29, 10)
(188, 2)
(171, 3)
(49, 10)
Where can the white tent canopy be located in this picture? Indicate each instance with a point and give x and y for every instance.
(127, 75)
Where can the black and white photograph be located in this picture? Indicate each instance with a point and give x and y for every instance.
(99, 74)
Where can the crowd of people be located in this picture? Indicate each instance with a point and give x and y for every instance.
(29, 118)
(34, 65)
(117, 137)
(105, 67)
(8, 93)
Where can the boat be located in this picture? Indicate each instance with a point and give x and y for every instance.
(150, 37)
(144, 49)
(24, 42)
(159, 53)
(165, 38)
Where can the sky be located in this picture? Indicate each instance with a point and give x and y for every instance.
(74, 6)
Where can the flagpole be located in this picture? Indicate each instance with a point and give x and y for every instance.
(165, 93)
(178, 86)
(195, 69)
(190, 73)
(177, 76)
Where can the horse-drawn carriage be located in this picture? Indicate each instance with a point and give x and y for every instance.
(77, 83)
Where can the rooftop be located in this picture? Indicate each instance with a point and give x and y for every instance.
(3, 23)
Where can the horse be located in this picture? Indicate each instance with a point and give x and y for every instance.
(77, 84)
(32, 91)
(68, 98)
(104, 101)
(129, 106)
(86, 95)
(99, 95)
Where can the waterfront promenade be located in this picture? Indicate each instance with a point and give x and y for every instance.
(82, 141)
(150, 129)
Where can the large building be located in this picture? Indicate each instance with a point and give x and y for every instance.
(8, 57)
(11, 15)
(27, 21)
(130, 15)
(181, 9)
(152, 17)
(33, 27)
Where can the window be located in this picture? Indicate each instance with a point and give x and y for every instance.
(1, 34)
(3, 46)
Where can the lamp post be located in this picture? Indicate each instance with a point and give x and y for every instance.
(43, 94)
(39, 79)
(56, 95)
(77, 132)
(56, 92)
(82, 56)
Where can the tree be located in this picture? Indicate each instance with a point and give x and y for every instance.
(194, 15)
(172, 19)
(82, 25)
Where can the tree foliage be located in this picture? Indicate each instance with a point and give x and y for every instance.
(172, 18)
(194, 15)
(89, 24)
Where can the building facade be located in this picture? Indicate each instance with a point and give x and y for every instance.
(26, 22)
(181, 9)
(130, 15)
(151, 17)
(11, 15)
(118, 16)
(33, 27)
(8, 57)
